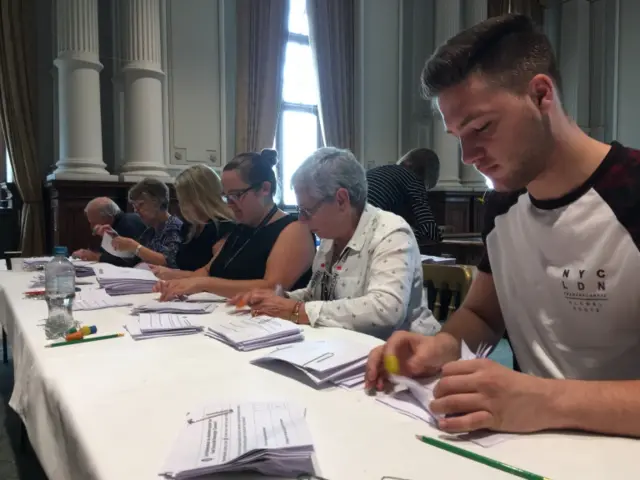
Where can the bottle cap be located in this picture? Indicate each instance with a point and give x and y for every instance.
(60, 251)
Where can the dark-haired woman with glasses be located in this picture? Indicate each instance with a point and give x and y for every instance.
(267, 247)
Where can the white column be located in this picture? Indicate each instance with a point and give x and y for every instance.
(143, 77)
(474, 12)
(448, 21)
(79, 122)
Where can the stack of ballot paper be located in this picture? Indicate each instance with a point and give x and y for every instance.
(252, 333)
(175, 307)
(95, 299)
(123, 280)
(323, 361)
(271, 438)
(413, 397)
(83, 268)
(152, 325)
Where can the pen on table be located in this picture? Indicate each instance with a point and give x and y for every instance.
(85, 340)
(476, 457)
(211, 415)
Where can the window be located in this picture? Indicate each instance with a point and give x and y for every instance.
(299, 132)
(8, 167)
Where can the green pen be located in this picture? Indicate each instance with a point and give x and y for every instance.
(85, 340)
(490, 462)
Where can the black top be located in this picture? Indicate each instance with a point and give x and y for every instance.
(236, 262)
(197, 253)
(127, 225)
(398, 190)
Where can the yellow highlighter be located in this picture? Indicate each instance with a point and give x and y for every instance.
(391, 364)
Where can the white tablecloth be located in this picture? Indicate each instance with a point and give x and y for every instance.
(111, 410)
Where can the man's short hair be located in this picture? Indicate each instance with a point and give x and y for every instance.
(425, 163)
(508, 51)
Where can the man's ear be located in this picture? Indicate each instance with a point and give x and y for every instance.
(542, 92)
(342, 198)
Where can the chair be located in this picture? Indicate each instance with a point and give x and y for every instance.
(450, 284)
(7, 256)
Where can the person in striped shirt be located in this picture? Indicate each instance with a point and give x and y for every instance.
(401, 188)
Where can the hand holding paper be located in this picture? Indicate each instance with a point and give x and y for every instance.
(416, 356)
(107, 245)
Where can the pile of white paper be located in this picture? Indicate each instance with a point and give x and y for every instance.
(152, 325)
(414, 397)
(324, 361)
(83, 268)
(251, 333)
(266, 437)
(123, 280)
(175, 307)
(96, 299)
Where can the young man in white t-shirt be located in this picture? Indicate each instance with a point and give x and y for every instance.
(562, 266)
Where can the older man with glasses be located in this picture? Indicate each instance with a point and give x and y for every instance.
(367, 273)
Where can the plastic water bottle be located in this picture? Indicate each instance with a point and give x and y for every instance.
(60, 290)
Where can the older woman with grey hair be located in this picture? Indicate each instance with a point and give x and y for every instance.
(159, 243)
(367, 273)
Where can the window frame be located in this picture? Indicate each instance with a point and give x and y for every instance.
(293, 107)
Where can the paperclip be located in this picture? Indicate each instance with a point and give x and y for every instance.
(319, 358)
(211, 415)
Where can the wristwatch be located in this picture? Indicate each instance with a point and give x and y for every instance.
(137, 251)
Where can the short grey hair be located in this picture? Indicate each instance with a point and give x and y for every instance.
(105, 206)
(329, 169)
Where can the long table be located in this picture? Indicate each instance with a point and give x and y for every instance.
(111, 410)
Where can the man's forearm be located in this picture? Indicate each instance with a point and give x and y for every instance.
(466, 325)
(610, 407)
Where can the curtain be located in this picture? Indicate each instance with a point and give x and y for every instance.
(18, 115)
(532, 8)
(332, 38)
(261, 40)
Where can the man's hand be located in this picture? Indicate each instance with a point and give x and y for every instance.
(417, 356)
(124, 244)
(86, 255)
(483, 394)
(172, 289)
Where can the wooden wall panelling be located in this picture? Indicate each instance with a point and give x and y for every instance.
(66, 201)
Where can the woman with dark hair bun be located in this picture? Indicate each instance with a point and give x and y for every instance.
(266, 248)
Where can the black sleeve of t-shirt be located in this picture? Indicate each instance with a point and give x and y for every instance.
(495, 204)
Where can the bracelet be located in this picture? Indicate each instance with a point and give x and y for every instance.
(295, 315)
(137, 251)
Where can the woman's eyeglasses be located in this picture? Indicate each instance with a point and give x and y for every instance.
(311, 211)
(236, 195)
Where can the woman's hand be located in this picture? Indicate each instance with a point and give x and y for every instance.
(172, 289)
(274, 306)
(253, 297)
(124, 244)
(164, 273)
(100, 230)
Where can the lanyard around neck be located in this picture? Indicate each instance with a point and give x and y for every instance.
(260, 226)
